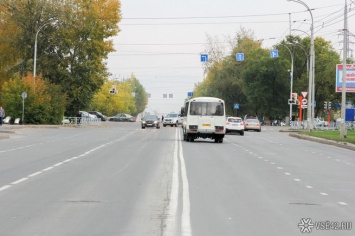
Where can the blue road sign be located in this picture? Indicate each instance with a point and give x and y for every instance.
(190, 94)
(204, 57)
(239, 56)
(236, 106)
(274, 53)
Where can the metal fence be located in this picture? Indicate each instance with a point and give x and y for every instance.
(349, 125)
(81, 121)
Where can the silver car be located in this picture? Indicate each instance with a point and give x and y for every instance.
(171, 119)
(252, 124)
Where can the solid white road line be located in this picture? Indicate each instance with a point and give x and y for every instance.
(19, 181)
(185, 217)
(174, 194)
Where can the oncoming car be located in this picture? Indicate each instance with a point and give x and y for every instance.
(252, 124)
(171, 119)
(150, 121)
(234, 124)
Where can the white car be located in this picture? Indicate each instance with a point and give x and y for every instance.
(234, 124)
(172, 119)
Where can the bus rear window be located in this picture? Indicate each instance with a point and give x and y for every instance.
(207, 109)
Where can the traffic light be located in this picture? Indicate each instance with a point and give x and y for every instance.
(325, 105)
(294, 98)
(329, 105)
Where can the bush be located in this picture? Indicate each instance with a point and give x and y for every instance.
(45, 104)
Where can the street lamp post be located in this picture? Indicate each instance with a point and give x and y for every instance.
(291, 79)
(310, 106)
(35, 52)
(311, 74)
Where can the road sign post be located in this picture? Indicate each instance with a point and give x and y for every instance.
(236, 107)
(204, 57)
(239, 56)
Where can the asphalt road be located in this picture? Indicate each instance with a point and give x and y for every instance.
(121, 180)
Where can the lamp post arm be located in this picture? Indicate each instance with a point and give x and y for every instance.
(35, 53)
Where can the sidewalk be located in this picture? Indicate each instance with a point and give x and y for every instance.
(6, 129)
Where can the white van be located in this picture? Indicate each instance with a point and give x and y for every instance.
(204, 117)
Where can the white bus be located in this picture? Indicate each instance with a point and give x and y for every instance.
(204, 117)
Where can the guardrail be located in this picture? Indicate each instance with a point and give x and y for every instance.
(349, 125)
(81, 121)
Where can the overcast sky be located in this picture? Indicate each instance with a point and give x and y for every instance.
(160, 41)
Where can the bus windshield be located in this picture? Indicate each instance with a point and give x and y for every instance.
(207, 109)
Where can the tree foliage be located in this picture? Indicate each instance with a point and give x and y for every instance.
(72, 43)
(131, 97)
(45, 103)
(261, 85)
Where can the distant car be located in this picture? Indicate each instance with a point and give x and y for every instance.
(84, 117)
(123, 118)
(99, 115)
(85, 114)
(252, 124)
(234, 124)
(171, 119)
(150, 121)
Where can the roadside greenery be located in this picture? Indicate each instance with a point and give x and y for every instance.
(74, 39)
(332, 135)
(261, 84)
(44, 104)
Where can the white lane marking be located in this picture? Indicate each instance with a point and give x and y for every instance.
(272, 163)
(260, 157)
(58, 164)
(343, 203)
(34, 174)
(287, 173)
(5, 187)
(309, 186)
(297, 180)
(324, 194)
(174, 194)
(185, 216)
(19, 181)
(279, 167)
(48, 168)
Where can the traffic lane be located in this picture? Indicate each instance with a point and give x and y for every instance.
(327, 169)
(121, 189)
(40, 148)
(235, 192)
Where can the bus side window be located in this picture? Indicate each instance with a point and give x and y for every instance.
(219, 110)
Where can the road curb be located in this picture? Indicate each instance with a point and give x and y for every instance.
(345, 145)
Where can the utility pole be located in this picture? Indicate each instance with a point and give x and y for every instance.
(343, 90)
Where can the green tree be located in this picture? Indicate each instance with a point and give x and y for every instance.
(140, 95)
(45, 104)
(73, 43)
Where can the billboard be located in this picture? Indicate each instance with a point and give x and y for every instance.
(350, 78)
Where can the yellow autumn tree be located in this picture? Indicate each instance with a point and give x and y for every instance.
(44, 104)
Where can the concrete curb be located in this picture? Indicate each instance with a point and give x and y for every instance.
(345, 145)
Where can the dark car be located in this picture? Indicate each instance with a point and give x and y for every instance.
(150, 121)
(123, 118)
(99, 115)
